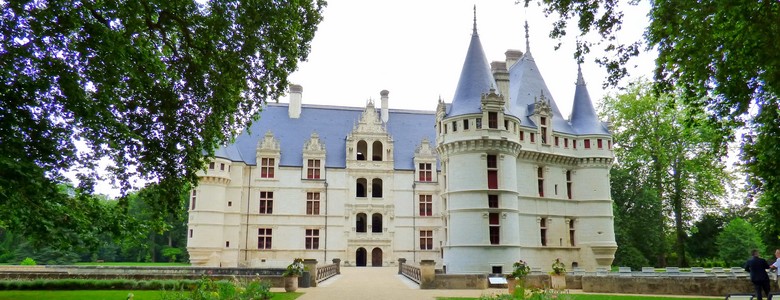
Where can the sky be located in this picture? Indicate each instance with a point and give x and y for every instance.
(415, 50)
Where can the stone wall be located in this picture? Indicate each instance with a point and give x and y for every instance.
(457, 282)
(701, 286)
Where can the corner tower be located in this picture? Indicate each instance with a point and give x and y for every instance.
(477, 143)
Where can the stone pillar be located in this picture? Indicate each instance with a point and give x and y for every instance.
(427, 273)
(401, 262)
(311, 266)
(337, 262)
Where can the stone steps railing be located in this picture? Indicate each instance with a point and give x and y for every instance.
(411, 272)
(327, 271)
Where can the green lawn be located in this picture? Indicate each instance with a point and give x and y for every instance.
(108, 295)
(608, 297)
(134, 264)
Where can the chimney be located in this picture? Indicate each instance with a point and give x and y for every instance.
(512, 56)
(501, 75)
(296, 94)
(385, 112)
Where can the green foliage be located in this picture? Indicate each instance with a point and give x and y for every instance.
(97, 284)
(28, 262)
(171, 253)
(208, 289)
(630, 256)
(154, 86)
(523, 293)
(736, 241)
(295, 268)
(668, 150)
(520, 269)
(558, 268)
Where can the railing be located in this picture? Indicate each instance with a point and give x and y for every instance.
(327, 271)
(411, 272)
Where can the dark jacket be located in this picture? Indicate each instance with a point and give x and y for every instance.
(757, 267)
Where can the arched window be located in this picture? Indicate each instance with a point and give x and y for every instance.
(360, 188)
(377, 151)
(376, 222)
(376, 188)
(360, 222)
(362, 150)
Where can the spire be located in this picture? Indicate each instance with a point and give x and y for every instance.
(475, 20)
(527, 40)
(580, 80)
(583, 116)
(476, 78)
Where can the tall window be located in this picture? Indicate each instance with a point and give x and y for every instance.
(264, 238)
(492, 172)
(221, 167)
(587, 143)
(495, 229)
(568, 184)
(312, 203)
(544, 130)
(493, 201)
(376, 222)
(492, 120)
(454, 126)
(376, 188)
(266, 202)
(361, 187)
(609, 144)
(426, 172)
(599, 144)
(522, 135)
(556, 141)
(540, 181)
(193, 199)
(532, 136)
(426, 239)
(426, 205)
(360, 222)
(571, 232)
(574, 143)
(376, 150)
(565, 142)
(465, 124)
(313, 169)
(543, 231)
(211, 165)
(362, 150)
(267, 167)
(312, 238)
(506, 124)
(479, 123)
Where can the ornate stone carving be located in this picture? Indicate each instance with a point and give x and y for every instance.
(269, 142)
(425, 149)
(313, 145)
(542, 105)
(369, 121)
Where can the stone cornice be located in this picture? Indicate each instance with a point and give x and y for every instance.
(551, 158)
(214, 180)
(481, 145)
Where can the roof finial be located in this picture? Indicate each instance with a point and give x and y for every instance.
(580, 80)
(475, 19)
(527, 43)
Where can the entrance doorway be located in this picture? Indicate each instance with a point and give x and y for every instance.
(376, 257)
(360, 257)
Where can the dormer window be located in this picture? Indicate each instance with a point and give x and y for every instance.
(425, 172)
(543, 129)
(313, 169)
(493, 120)
(267, 167)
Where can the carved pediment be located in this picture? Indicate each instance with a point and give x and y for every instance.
(370, 122)
(314, 145)
(269, 143)
(425, 149)
(542, 105)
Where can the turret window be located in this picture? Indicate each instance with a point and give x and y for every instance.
(193, 199)
(479, 123)
(465, 124)
(522, 135)
(565, 142)
(454, 126)
(267, 167)
(492, 172)
(543, 231)
(222, 166)
(568, 184)
(587, 143)
(556, 141)
(599, 144)
(211, 165)
(506, 124)
(540, 181)
(571, 233)
(532, 136)
(493, 120)
(494, 228)
(266, 202)
(493, 201)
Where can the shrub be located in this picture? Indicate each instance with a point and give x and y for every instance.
(735, 242)
(28, 262)
(295, 268)
(630, 256)
(208, 289)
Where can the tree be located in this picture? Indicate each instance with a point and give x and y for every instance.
(152, 85)
(668, 148)
(736, 241)
(720, 54)
(639, 222)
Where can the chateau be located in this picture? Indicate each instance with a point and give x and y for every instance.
(494, 176)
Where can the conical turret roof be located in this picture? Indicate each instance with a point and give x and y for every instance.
(584, 119)
(475, 79)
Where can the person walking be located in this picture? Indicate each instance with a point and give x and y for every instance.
(776, 267)
(757, 267)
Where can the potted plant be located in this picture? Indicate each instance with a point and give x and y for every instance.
(558, 275)
(517, 277)
(291, 274)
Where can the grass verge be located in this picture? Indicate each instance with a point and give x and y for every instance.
(608, 297)
(108, 295)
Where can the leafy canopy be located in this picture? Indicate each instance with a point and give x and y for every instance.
(154, 86)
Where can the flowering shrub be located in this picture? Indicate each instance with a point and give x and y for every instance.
(295, 268)
(558, 268)
(521, 269)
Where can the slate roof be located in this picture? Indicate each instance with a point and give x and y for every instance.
(476, 78)
(583, 117)
(407, 129)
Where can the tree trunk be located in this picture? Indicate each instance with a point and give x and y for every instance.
(677, 203)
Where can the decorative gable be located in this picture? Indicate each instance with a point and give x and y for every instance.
(313, 146)
(268, 146)
(369, 121)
